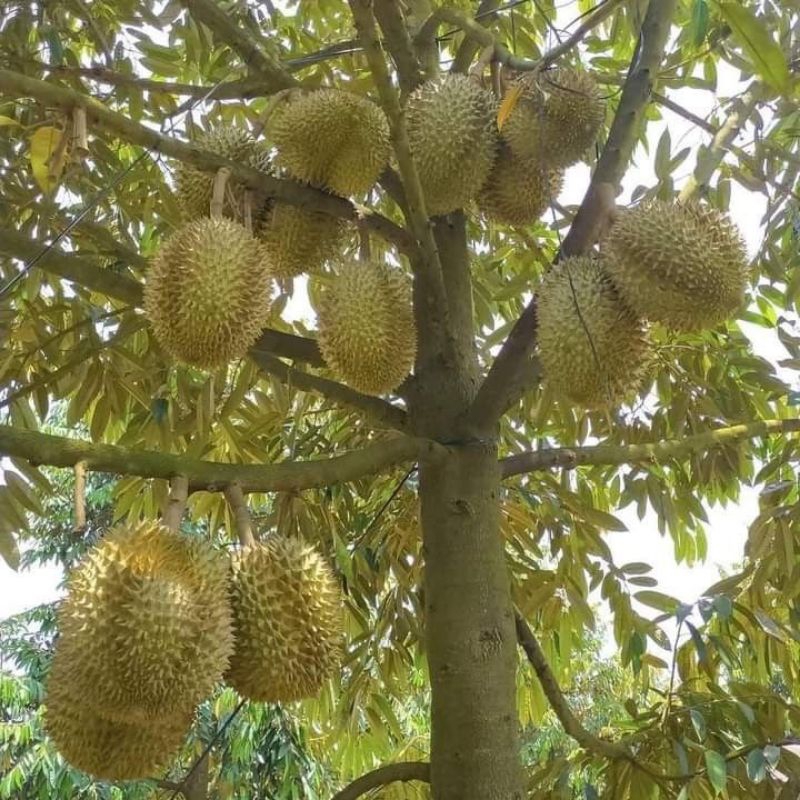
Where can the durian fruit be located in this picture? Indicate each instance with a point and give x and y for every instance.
(145, 629)
(193, 186)
(207, 293)
(296, 240)
(288, 621)
(332, 139)
(592, 347)
(107, 749)
(683, 265)
(556, 118)
(518, 191)
(452, 132)
(366, 329)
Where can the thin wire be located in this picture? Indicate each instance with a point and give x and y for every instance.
(386, 505)
(207, 749)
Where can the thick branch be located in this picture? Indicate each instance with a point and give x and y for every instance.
(607, 455)
(709, 160)
(241, 514)
(79, 498)
(57, 451)
(376, 409)
(176, 502)
(402, 771)
(470, 46)
(552, 691)
(253, 55)
(15, 85)
(512, 373)
(398, 42)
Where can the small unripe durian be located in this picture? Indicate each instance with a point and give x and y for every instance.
(452, 131)
(592, 347)
(556, 118)
(145, 629)
(296, 240)
(193, 186)
(332, 139)
(207, 293)
(366, 328)
(683, 265)
(518, 191)
(112, 750)
(288, 621)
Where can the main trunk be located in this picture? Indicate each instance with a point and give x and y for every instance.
(469, 630)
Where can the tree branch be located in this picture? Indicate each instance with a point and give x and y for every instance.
(176, 502)
(552, 691)
(241, 514)
(79, 498)
(399, 44)
(402, 771)
(15, 85)
(512, 374)
(81, 270)
(606, 455)
(470, 46)
(57, 451)
(376, 409)
(253, 55)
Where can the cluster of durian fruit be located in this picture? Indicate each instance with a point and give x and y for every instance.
(682, 265)
(154, 620)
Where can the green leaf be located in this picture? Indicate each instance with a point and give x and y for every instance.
(658, 600)
(8, 549)
(756, 40)
(717, 770)
(47, 157)
(662, 155)
(699, 24)
(602, 519)
(772, 754)
(7, 121)
(756, 766)
(699, 723)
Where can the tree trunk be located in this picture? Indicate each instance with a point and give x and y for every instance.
(469, 629)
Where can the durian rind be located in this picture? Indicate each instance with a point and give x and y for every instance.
(592, 347)
(556, 118)
(452, 132)
(207, 293)
(193, 186)
(332, 139)
(297, 240)
(108, 749)
(365, 326)
(683, 265)
(288, 618)
(518, 191)
(145, 628)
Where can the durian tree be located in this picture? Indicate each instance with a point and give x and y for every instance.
(428, 460)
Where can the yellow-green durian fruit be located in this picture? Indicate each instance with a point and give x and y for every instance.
(108, 749)
(193, 186)
(297, 240)
(683, 265)
(288, 621)
(366, 328)
(332, 139)
(208, 291)
(518, 191)
(556, 117)
(145, 628)
(452, 132)
(592, 346)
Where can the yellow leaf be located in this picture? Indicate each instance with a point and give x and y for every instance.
(48, 157)
(7, 121)
(508, 105)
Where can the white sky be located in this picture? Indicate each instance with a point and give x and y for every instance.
(727, 528)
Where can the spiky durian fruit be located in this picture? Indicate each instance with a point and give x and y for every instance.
(332, 139)
(556, 118)
(683, 265)
(296, 240)
(193, 187)
(592, 346)
(107, 749)
(207, 293)
(145, 629)
(288, 621)
(452, 131)
(366, 328)
(518, 191)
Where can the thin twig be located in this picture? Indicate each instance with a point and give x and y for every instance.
(176, 502)
(241, 514)
(79, 494)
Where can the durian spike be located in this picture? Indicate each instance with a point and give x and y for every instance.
(218, 192)
(176, 502)
(238, 506)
